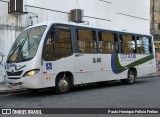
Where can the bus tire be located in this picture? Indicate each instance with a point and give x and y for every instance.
(62, 84)
(130, 79)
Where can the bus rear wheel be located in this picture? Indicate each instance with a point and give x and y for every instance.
(62, 84)
(130, 79)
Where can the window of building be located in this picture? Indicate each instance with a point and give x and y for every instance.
(86, 41)
(58, 43)
(107, 42)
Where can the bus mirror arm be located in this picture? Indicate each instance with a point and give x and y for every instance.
(41, 61)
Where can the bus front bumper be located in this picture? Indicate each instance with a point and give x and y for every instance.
(27, 82)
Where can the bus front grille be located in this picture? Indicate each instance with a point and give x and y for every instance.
(14, 78)
(15, 84)
(15, 73)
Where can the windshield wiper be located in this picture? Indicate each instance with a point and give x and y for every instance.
(18, 47)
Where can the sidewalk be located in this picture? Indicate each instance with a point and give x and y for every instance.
(3, 88)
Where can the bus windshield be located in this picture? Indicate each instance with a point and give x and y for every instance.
(26, 45)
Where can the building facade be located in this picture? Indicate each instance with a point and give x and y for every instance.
(155, 23)
(155, 15)
(122, 15)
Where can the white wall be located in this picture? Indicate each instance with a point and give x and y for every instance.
(7, 32)
(129, 15)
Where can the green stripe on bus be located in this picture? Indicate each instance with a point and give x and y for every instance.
(117, 68)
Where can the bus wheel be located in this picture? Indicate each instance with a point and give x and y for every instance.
(62, 84)
(130, 79)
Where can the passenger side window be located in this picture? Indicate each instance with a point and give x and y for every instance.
(86, 41)
(144, 45)
(127, 42)
(58, 43)
(107, 42)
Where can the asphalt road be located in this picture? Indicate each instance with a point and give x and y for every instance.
(145, 93)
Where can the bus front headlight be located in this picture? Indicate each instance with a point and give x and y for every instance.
(31, 72)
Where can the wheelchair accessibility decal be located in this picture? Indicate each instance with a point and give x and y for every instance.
(48, 66)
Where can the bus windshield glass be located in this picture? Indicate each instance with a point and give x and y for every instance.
(26, 45)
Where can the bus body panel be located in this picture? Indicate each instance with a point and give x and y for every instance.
(89, 68)
(52, 68)
(85, 67)
(27, 82)
(24, 81)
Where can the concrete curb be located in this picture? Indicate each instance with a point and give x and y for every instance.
(12, 91)
(5, 90)
(153, 76)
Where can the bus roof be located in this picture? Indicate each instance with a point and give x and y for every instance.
(49, 23)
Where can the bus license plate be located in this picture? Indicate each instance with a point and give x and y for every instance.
(15, 87)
